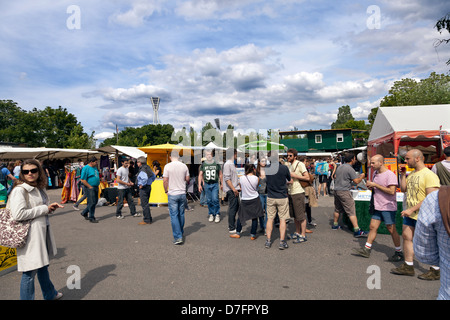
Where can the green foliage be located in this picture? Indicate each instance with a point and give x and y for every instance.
(140, 137)
(344, 115)
(49, 127)
(409, 92)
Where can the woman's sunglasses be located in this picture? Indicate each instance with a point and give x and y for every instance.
(35, 170)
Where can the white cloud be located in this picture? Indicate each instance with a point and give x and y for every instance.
(103, 135)
(140, 10)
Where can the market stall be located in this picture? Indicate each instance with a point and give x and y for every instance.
(395, 131)
(161, 153)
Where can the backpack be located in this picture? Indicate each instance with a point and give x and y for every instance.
(443, 174)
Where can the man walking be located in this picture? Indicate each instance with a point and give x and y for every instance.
(343, 200)
(125, 190)
(432, 236)
(322, 172)
(383, 186)
(210, 179)
(90, 178)
(231, 187)
(144, 180)
(296, 195)
(442, 168)
(421, 182)
(277, 176)
(175, 177)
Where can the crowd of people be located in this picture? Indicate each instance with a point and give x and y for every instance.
(268, 194)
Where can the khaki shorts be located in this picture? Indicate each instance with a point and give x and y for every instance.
(278, 205)
(344, 203)
(297, 206)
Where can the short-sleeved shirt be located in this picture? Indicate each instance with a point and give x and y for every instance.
(416, 184)
(91, 175)
(277, 183)
(249, 187)
(122, 174)
(177, 172)
(210, 172)
(230, 173)
(382, 200)
(345, 174)
(298, 168)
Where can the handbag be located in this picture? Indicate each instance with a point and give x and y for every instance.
(13, 234)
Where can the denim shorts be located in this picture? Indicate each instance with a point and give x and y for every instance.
(409, 222)
(387, 216)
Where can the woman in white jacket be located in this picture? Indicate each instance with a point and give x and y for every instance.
(29, 200)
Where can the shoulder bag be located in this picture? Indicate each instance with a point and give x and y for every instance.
(13, 234)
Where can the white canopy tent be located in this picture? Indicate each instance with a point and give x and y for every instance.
(12, 153)
(132, 152)
(396, 125)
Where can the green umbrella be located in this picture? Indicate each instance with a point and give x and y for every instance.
(262, 146)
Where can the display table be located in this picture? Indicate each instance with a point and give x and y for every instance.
(110, 194)
(158, 195)
(362, 203)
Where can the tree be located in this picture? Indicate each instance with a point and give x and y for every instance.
(37, 128)
(344, 115)
(443, 24)
(408, 92)
(80, 140)
(55, 126)
(149, 134)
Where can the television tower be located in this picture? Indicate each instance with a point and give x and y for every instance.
(155, 104)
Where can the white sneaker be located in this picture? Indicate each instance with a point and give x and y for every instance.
(119, 217)
(217, 219)
(211, 218)
(76, 208)
(58, 296)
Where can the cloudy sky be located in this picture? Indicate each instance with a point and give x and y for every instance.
(255, 64)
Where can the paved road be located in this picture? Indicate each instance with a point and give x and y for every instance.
(119, 259)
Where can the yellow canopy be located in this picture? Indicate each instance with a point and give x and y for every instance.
(164, 148)
(161, 152)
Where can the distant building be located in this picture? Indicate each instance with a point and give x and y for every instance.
(310, 141)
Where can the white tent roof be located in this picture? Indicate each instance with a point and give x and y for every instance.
(410, 118)
(12, 153)
(133, 152)
(210, 145)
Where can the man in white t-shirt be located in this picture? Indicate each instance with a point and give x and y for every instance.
(124, 190)
(384, 184)
(175, 177)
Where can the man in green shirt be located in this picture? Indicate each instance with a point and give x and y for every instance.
(210, 178)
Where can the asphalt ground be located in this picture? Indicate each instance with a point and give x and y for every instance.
(121, 260)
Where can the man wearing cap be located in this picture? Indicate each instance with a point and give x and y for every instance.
(145, 178)
(90, 178)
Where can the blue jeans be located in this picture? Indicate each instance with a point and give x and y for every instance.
(176, 212)
(92, 199)
(203, 197)
(27, 284)
(263, 198)
(212, 196)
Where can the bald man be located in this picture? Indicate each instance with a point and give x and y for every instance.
(383, 185)
(421, 182)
